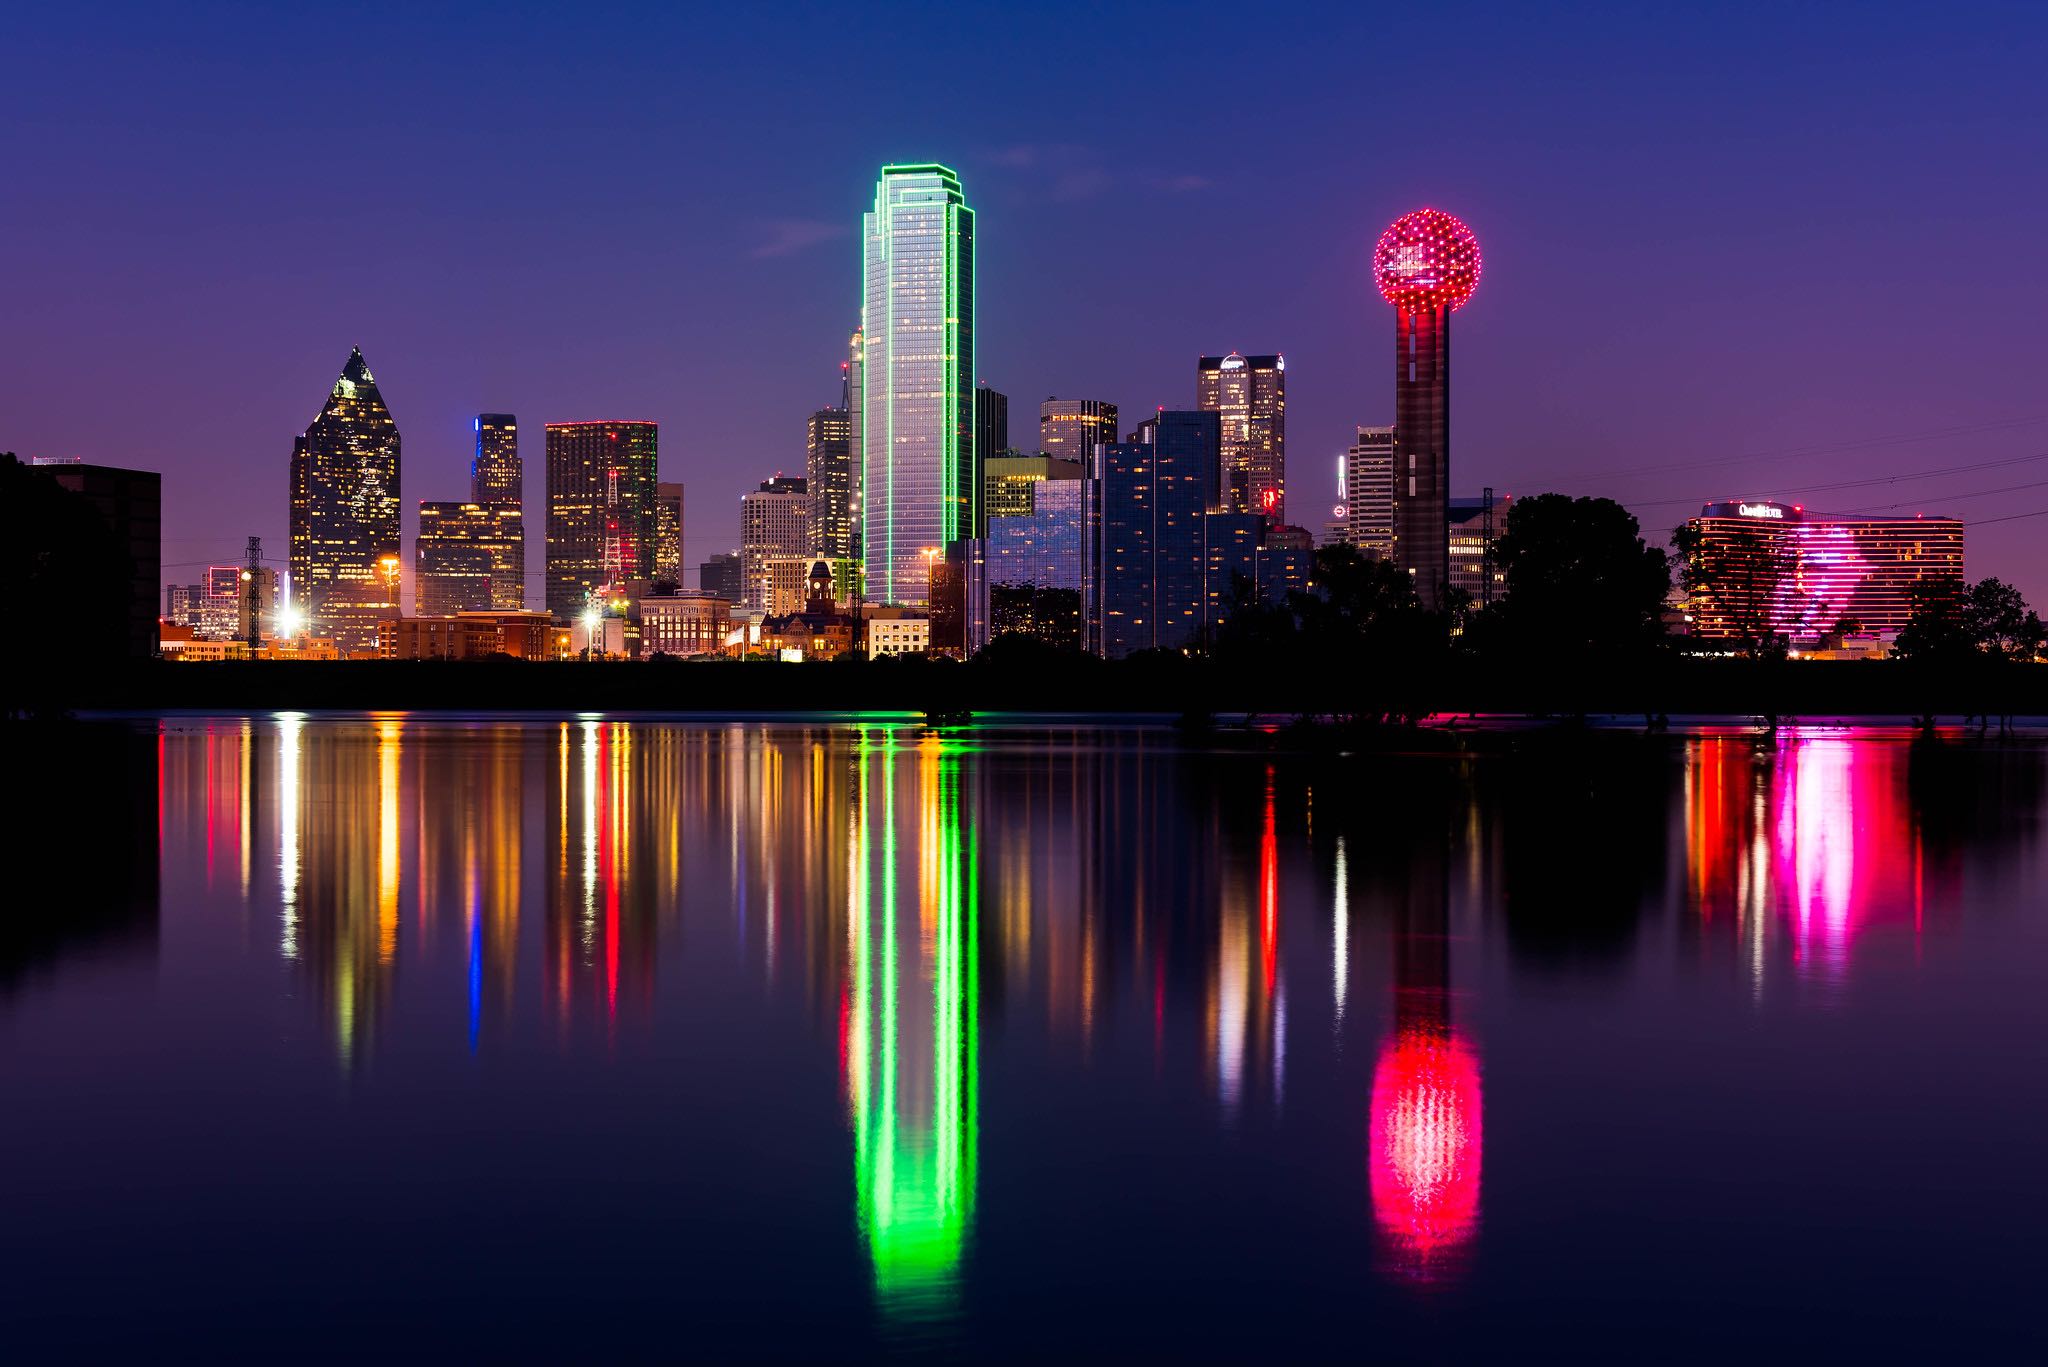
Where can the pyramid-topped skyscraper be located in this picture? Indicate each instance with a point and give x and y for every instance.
(345, 565)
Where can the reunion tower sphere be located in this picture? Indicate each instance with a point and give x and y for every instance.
(1427, 260)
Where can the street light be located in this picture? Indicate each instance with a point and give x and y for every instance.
(592, 620)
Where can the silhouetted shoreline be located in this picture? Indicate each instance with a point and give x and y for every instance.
(1157, 686)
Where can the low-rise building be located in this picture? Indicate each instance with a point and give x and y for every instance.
(897, 631)
(687, 623)
(466, 636)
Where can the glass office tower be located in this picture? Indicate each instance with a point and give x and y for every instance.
(920, 471)
(344, 522)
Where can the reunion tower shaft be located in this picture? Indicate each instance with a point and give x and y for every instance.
(1427, 265)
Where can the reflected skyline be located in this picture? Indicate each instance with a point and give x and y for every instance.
(902, 990)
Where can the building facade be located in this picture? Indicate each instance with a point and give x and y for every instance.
(1368, 492)
(469, 557)
(668, 532)
(1033, 557)
(496, 474)
(1071, 429)
(1475, 528)
(721, 575)
(130, 504)
(834, 491)
(1801, 573)
(1146, 505)
(1244, 552)
(920, 473)
(345, 512)
(601, 509)
(991, 422)
(775, 522)
(685, 624)
(1250, 394)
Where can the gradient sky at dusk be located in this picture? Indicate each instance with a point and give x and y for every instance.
(1805, 236)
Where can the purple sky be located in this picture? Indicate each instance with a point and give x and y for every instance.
(1808, 238)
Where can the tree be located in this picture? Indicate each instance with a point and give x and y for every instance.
(1738, 585)
(1955, 621)
(2000, 623)
(1579, 579)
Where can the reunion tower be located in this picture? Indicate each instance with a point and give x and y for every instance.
(1427, 265)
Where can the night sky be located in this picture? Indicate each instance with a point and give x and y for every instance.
(1747, 253)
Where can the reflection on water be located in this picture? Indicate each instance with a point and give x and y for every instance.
(974, 931)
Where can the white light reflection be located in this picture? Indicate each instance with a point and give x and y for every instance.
(289, 739)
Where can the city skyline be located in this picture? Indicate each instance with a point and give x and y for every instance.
(1619, 334)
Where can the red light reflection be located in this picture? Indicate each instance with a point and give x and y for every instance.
(1426, 1148)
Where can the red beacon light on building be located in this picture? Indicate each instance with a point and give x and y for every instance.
(1427, 260)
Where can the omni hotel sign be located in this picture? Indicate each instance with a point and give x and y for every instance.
(1759, 510)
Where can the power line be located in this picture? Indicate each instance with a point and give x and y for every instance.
(1948, 498)
(1858, 483)
(2009, 517)
(1820, 448)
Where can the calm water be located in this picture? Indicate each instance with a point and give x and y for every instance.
(574, 1038)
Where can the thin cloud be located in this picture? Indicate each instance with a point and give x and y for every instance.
(788, 236)
(1181, 185)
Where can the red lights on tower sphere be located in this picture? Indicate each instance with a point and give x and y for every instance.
(1426, 260)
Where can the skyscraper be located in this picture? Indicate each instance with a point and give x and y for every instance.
(920, 472)
(991, 422)
(1147, 504)
(774, 523)
(495, 473)
(668, 532)
(829, 475)
(497, 480)
(1071, 429)
(468, 557)
(344, 522)
(601, 518)
(1250, 392)
(1369, 492)
(1427, 264)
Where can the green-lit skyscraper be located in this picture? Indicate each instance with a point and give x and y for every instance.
(920, 472)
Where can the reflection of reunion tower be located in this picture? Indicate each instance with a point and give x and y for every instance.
(1427, 265)
(1426, 1106)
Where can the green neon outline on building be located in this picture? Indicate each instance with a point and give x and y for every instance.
(959, 511)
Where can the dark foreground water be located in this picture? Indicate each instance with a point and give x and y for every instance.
(583, 1038)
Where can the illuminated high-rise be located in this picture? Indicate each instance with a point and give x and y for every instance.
(1071, 429)
(468, 557)
(1147, 506)
(668, 532)
(775, 524)
(920, 472)
(1427, 264)
(601, 514)
(829, 475)
(1250, 393)
(495, 472)
(1369, 492)
(344, 504)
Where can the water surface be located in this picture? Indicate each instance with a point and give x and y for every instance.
(330, 1036)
